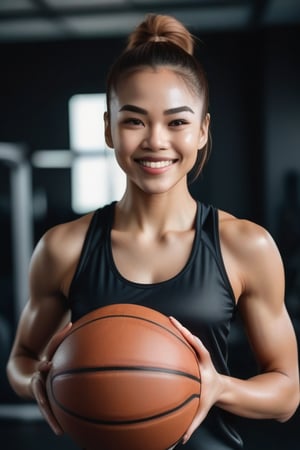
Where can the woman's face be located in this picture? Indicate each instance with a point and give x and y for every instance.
(155, 128)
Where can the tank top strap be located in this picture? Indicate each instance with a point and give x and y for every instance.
(210, 237)
(209, 226)
(95, 236)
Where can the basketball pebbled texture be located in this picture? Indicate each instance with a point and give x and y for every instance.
(124, 378)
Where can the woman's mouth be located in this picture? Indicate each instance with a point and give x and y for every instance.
(156, 164)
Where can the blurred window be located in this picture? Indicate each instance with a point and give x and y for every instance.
(95, 174)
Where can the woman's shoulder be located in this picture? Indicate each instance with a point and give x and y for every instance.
(56, 254)
(62, 243)
(243, 234)
(67, 233)
(250, 253)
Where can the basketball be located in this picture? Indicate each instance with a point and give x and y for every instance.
(124, 378)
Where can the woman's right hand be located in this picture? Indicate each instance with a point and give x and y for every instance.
(38, 381)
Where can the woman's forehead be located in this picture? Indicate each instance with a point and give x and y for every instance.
(163, 85)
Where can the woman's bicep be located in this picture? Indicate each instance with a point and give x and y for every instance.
(47, 309)
(264, 313)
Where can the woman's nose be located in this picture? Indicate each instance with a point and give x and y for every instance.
(156, 138)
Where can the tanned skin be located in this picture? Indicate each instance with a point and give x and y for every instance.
(154, 222)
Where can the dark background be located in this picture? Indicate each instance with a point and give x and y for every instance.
(254, 74)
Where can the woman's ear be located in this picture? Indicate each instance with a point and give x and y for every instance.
(204, 130)
(107, 131)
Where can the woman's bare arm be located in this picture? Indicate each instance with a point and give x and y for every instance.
(254, 266)
(46, 317)
(274, 392)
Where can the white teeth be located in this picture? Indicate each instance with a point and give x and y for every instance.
(156, 164)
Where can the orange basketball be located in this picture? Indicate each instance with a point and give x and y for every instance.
(124, 378)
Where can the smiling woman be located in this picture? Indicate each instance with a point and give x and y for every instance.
(159, 247)
(155, 121)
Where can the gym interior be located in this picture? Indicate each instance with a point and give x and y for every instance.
(54, 58)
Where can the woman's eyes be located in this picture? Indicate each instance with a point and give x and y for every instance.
(178, 122)
(138, 122)
(133, 121)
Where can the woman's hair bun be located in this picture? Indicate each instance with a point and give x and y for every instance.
(160, 28)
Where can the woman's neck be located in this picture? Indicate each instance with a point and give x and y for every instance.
(156, 213)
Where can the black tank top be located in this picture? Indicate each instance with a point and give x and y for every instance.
(199, 296)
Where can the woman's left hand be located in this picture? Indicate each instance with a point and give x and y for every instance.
(38, 380)
(211, 380)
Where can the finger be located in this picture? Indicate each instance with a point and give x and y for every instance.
(183, 330)
(194, 425)
(191, 338)
(175, 445)
(43, 404)
(44, 366)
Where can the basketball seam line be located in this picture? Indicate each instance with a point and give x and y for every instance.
(131, 316)
(79, 370)
(127, 422)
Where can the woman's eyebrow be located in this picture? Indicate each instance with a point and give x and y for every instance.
(133, 108)
(143, 111)
(178, 110)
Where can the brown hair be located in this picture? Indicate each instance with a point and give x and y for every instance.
(161, 28)
(164, 41)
